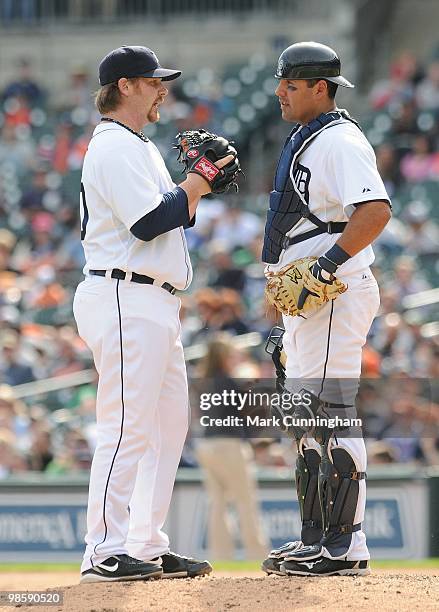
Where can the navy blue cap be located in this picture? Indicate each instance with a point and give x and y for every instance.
(131, 62)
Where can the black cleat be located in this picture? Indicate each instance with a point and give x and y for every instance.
(272, 566)
(177, 566)
(272, 563)
(121, 567)
(326, 567)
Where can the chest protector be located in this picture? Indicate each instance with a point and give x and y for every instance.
(287, 204)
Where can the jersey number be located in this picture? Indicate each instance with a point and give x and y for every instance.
(85, 213)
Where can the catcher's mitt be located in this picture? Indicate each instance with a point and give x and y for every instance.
(284, 288)
(199, 150)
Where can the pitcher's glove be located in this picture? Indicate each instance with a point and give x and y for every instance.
(302, 287)
(198, 152)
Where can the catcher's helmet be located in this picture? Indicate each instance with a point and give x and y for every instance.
(310, 60)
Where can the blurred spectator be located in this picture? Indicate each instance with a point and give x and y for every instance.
(422, 231)
(26, 85)
(380, 452)
(404, 74)
(78, 93)
(17, 113)
(229, 480)
(236, 228)
(427, 91)
(40, 451)
(62, 146)
(38, 196)
(231, 312)
(224, 272)
(7, 244)
(73, 455)
(407, 278)
(13, 418)
(79, 149)
(388, 167)
(16, 153)
(13, 369)
(11, 461)
(405, 123)
(268, 453)
(67, 358)
(422, 162)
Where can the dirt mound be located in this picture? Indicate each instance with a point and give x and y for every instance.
(386, 590)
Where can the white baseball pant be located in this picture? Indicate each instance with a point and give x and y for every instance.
(327, 345)
(142, 414)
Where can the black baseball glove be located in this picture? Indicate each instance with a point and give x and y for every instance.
(199, 150)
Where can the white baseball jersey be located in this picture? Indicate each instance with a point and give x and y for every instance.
(133, 331)
(337, 170)
(123, 179)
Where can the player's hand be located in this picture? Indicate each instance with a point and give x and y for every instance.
(210, 156)
(224, 161)
(201, 184)
(323, 270)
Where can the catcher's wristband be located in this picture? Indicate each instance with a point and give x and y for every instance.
(337, 255)
(205, 168)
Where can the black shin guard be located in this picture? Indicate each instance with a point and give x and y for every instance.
(338, 493)
(307, 478)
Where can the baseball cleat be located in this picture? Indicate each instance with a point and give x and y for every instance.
(121, 567)
(326, 567)
(177, 566)
(271, 565)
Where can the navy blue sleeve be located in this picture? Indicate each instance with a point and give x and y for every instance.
(172, 212)
(191, 222)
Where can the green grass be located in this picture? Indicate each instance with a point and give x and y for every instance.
(221, 566)
(39, 567)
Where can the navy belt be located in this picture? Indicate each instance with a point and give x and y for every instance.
(135, 278)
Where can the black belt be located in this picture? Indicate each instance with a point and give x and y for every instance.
(135, 278)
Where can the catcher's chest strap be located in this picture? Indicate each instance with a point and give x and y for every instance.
(330, 227)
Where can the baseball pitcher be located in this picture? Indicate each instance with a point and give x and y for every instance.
(127, 311)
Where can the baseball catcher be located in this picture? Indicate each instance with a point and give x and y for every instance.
(327, 206)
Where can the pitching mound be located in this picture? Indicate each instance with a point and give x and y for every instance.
(383, 590)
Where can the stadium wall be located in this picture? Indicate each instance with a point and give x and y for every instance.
(44, 519)
(180, 42)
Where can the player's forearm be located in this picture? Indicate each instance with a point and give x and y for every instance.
(195, 187)
(365, 225)
(172, 212)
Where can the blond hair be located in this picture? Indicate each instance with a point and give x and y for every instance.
(108, 97)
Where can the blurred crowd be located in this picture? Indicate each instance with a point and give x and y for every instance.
(43, 139)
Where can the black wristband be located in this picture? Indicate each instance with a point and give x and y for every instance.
(337, 255)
